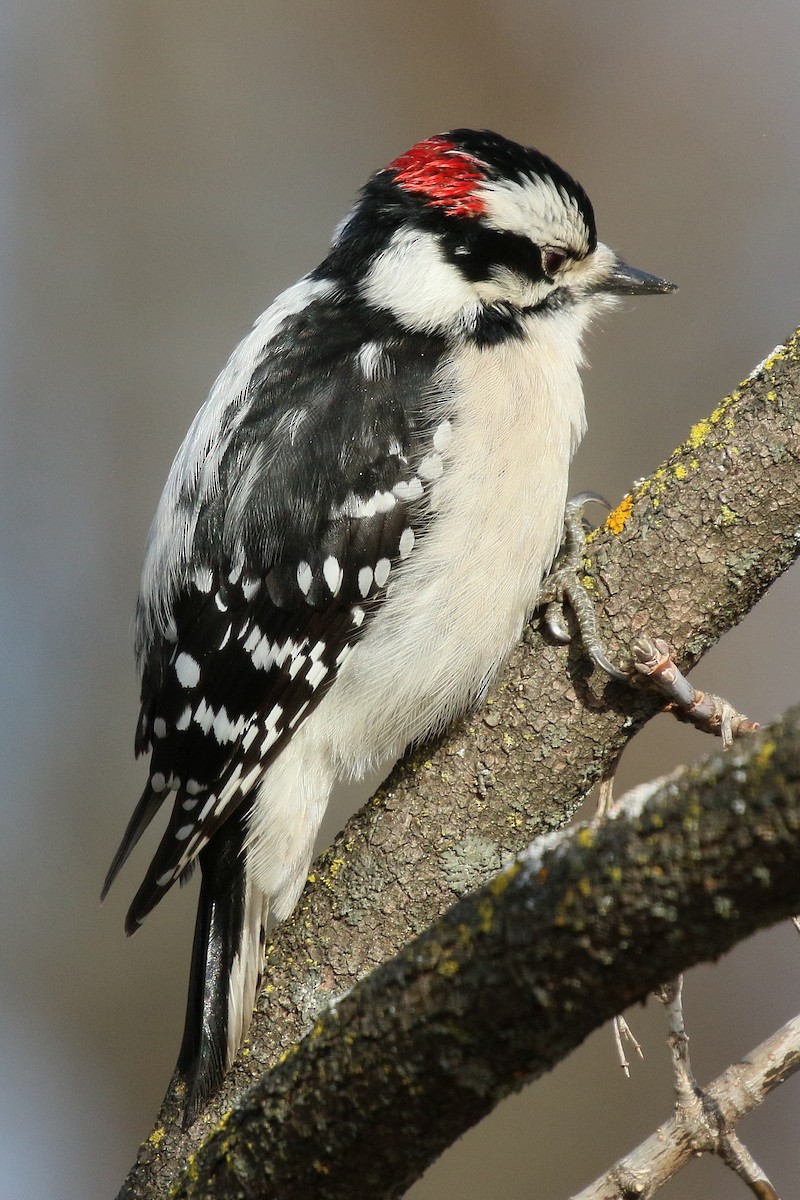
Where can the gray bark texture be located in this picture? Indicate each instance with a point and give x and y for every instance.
(513, 978)
(685, 556)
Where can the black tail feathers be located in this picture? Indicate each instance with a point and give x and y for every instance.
(226, 966)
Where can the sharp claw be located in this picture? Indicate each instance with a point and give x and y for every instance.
(554, 624)
(599, 659)
(580, 501)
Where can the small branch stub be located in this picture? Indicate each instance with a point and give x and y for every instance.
(709, 713)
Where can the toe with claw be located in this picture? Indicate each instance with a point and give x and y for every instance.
(563, 586)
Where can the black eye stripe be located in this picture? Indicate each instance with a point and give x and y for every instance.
(482, 250)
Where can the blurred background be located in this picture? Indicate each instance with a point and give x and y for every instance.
(166, 169)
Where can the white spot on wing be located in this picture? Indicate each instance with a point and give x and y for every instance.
(203, 579)
(408, 489)
(358, 507)
(226, 730)
(382, 568)
(316, 674)
(184, 719)
(333, 574)
(262, 655)
(406, 542)
(250, 779)
(269, 741)
(158, 781)
(204, 716)
(187, 670)
(250, 587)
(384, 502)
(254, 637)
(431, 467)
(288, 650)
(365, 580)
(274, 716)
(207, 807)
(305, 577)
(442, 437)
(160, 727)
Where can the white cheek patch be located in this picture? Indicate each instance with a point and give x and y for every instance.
(412, 279)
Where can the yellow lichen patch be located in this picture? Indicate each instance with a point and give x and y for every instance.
(448, 968)
(485, 915)
(500, 882)
(778, 355)
(191, 1170)
(618, 519)
(585, 837)
(764, 755)
(698, 433)
(156, 1137)
(679, 471)
(335, 866)
(727, 516)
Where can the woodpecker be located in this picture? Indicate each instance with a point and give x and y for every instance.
(354, 532)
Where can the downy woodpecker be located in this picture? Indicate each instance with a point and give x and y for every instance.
(353, 533)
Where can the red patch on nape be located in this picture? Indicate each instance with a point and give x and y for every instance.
(444, 174)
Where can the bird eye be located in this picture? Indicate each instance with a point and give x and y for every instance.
(553, 261)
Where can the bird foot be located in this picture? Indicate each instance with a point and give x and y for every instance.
(564, 586)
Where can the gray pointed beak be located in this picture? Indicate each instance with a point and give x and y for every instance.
(627, 281)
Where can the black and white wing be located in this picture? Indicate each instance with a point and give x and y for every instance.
(287, 563)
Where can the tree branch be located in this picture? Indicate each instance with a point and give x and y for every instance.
(686, 555)
(729, 1098)
(513, 978)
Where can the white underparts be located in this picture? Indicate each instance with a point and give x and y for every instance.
(457, 602)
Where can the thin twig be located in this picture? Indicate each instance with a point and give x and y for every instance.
(718, 1108)
(710, 713)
